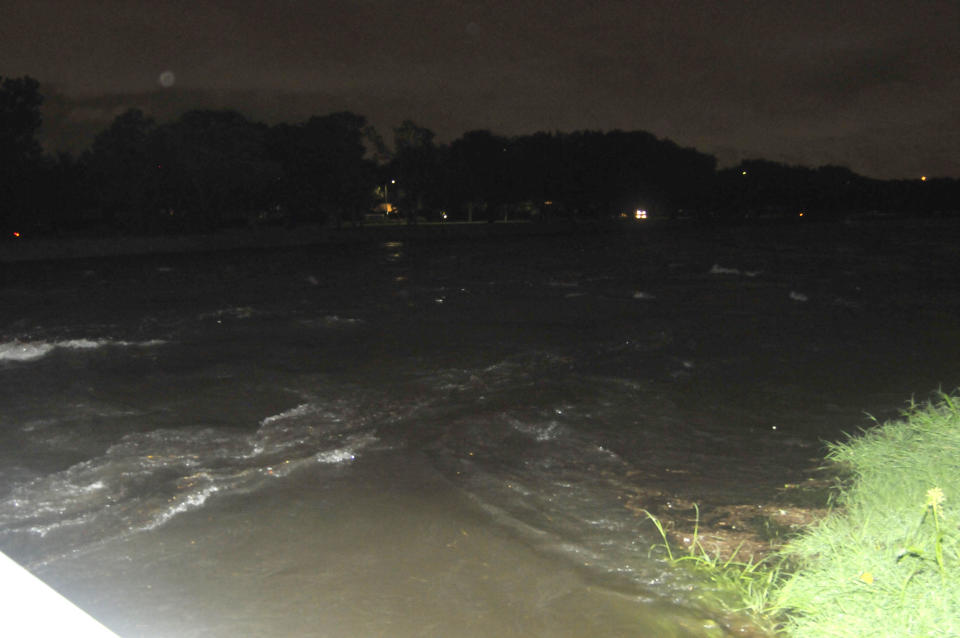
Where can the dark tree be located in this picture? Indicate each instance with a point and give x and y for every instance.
(758, 187)
(20, 151)
(378, 150)
(416, 167)
(61, 200)
(124, 170)
(834, 191)
(215, 170)
(326, 177)
(478, 172)
(534, 173)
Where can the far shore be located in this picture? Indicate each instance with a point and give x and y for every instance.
(910, 229)
(85, 246)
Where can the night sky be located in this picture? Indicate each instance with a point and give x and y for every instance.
(874, 85)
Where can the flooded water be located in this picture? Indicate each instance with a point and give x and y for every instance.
(440, 438)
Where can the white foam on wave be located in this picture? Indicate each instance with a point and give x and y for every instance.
(717, 269)
(18, 351)
(346, 453)
(236, 312)
(148, 478)
(30, 350)
(548, 431)
(331, 321)
(190, 501)
(301, 410)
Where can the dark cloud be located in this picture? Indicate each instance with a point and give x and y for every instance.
(872, 83)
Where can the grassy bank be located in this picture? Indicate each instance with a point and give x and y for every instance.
(886, 561)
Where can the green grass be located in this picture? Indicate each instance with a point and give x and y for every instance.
(738, 586)
(886, 562)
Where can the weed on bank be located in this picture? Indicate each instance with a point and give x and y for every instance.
(886, 562)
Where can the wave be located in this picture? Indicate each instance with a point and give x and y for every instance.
(147, 479)
(331, 321)
(717, 269)
(17, 350)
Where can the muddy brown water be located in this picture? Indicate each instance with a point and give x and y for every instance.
(426, 437)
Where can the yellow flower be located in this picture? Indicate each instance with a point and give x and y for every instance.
(867, 577)
(935, 499)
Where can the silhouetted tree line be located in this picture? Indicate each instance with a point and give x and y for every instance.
(214, 169)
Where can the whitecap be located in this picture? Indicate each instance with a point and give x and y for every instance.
(301, 410)
(185, 503)
(717, 269)
(237, 312)
(24, 351)
(31, 350)
(346, 453)
(82, 344)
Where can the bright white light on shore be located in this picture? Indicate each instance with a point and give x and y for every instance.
(640, 214)
(166, 79)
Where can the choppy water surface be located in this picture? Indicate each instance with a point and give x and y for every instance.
(428, 438)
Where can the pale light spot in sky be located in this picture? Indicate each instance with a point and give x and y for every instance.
(167, 78)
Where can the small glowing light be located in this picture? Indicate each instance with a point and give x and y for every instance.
(801, 213)
(443, 214)
(167, 79)
(640, 214)
(743, 172)
(548, 203)
(16, 234)
(923, 178)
